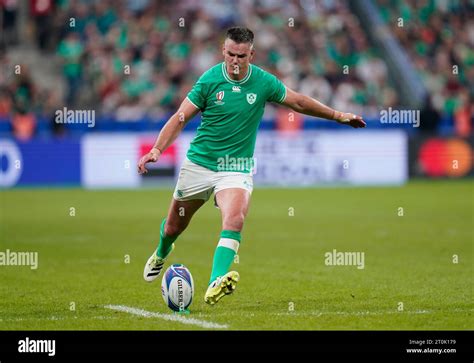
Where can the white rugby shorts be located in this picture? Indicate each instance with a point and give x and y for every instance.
(198, 182)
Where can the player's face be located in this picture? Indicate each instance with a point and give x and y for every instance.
(237, 57)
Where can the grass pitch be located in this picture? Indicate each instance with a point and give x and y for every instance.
(95, 258)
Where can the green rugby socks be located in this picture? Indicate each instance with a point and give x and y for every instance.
(164, 247)
(224, 255)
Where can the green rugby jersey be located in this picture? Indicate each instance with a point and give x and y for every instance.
(231, 112)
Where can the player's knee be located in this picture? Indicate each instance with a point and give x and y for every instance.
(234, 222)
(174, 229)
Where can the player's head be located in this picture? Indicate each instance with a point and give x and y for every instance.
(238, 50)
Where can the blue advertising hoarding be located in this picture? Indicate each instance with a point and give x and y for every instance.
(40, 162)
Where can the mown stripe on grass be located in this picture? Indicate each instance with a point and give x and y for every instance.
(356, 313)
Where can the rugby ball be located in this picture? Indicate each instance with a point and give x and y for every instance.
(177, 287)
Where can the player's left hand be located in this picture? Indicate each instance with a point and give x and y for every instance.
(350, 119)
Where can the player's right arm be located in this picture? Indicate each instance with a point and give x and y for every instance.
(169, 133)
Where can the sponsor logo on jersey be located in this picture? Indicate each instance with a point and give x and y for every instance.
(219, 97)
(251, 98)
(236, 89)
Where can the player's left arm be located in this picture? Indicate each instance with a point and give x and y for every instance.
(309, 106)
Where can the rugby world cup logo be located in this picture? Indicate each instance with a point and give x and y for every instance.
(219, 97)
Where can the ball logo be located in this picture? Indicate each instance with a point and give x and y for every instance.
(180, 295)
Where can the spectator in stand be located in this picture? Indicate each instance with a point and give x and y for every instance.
(41, 11)
(463, 115)
(23, 124)
(8, 31)
(24, 94)
(71, 50)
(6, 103)
(429, 117)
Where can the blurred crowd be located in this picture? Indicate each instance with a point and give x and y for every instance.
(438, 36)
(137, 57)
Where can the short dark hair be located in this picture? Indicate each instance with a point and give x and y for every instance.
(240, 35)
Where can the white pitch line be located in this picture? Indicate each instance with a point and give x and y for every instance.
(169, 317)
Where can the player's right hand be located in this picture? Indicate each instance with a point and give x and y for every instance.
(151, 157)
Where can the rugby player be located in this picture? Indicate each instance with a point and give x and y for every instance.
(231, 97)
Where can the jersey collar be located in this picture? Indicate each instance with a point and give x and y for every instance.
(230, 80)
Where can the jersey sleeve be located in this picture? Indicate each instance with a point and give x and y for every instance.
(197, 95)
(277, 89)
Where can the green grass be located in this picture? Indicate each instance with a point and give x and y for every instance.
(408, 259)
